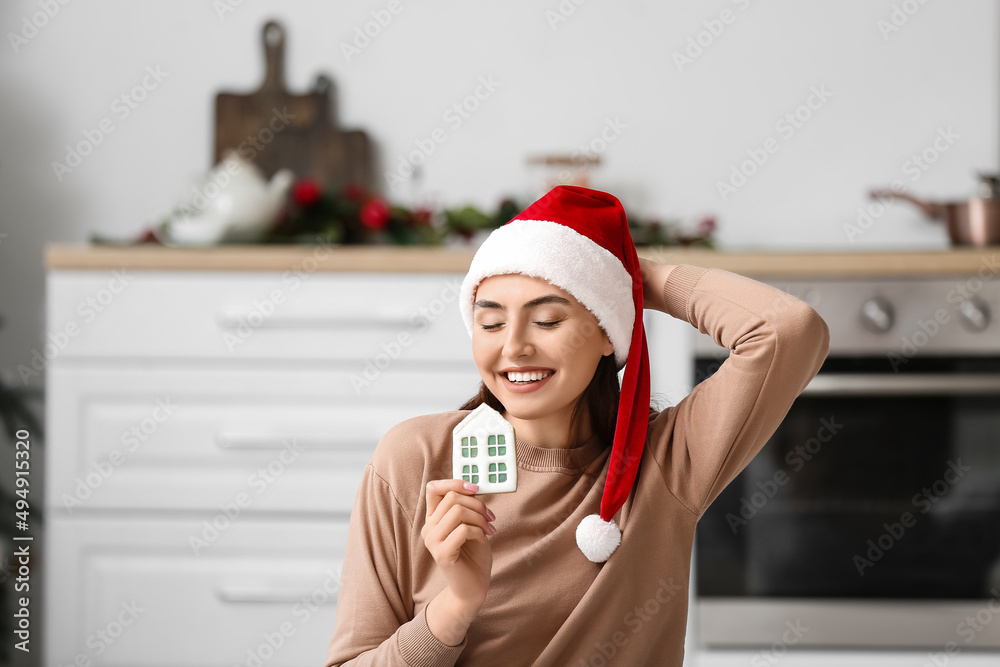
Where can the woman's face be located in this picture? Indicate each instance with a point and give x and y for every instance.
(527, 325)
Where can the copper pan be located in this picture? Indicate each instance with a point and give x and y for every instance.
(975, 222)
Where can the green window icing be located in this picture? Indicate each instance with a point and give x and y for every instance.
(465, 477)
(503, 477)
(475, 451)
(503, 466)
(465, 452)
(465, 442)
(465, 468)
(472, 440)
(492, 451)
(492, 440)
(500, 440)
(493, 467)
(493, 478)
(502, 451)
(475, 479)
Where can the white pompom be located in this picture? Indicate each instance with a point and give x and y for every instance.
(597, 538)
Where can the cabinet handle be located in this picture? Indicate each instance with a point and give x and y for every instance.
(265, 594)
(231, 319)
(913, 384)
(256, 441)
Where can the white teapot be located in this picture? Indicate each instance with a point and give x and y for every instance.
(233, 203)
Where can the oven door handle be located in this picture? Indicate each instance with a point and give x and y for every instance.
(912, 384)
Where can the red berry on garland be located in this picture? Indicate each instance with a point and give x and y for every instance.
(375, 214)
(147, 236)
(306, 192)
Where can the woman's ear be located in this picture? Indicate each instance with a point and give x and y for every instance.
(609, 347)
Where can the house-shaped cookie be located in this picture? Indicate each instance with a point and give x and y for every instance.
(483, 451)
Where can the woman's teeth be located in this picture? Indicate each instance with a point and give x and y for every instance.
(525, 378)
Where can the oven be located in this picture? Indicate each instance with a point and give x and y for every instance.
(871, 518)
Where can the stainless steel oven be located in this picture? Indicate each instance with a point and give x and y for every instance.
(872, 516)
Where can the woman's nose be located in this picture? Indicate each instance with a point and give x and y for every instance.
(518, 342)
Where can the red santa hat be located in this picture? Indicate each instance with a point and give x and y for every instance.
(578, 240)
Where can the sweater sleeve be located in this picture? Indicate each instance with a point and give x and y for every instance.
(776, 343)
(373, 624)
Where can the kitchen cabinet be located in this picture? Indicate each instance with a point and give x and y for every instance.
(207, 433)
(126, 589)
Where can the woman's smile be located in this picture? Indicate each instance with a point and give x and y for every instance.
(525, 382)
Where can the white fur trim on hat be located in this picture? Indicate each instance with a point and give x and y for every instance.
(598, 538)
(567, 259)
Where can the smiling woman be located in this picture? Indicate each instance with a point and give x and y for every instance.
(589, 559)
(525, 325)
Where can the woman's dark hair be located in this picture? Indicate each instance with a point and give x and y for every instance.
(600, 397)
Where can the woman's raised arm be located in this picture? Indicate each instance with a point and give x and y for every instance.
(777, 344)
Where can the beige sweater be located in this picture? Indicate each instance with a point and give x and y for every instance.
(547, 604)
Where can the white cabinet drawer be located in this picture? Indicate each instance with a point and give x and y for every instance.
(231, 315)
(130, 593)
(195, 439)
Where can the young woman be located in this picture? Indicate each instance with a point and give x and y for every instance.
(587, 562)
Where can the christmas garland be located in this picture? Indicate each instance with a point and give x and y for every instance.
(353, 215)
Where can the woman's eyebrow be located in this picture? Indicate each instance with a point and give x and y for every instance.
(548, 298)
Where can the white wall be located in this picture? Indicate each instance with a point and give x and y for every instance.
(558, 86)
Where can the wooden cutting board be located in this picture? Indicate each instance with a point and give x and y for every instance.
(276, 129)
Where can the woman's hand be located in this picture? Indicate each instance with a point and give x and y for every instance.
(455, 533)
(653, 276)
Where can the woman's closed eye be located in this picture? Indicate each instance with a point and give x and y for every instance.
(546, 325)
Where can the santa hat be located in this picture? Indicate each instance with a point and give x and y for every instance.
(578, 240)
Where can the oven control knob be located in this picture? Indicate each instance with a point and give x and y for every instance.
(877, 314)
(974, 314)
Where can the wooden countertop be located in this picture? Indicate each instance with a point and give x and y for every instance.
(399, 259)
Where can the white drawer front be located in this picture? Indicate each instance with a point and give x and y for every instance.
(230, 315)
(203, 439)
(130, 593)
